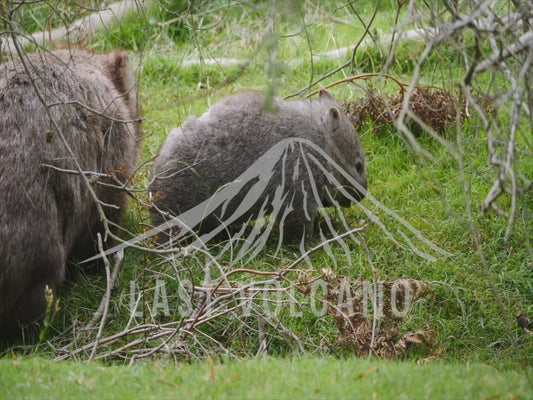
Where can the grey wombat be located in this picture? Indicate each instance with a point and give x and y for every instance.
(47, 216)
(208, 153)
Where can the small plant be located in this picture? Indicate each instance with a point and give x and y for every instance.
(52, 307)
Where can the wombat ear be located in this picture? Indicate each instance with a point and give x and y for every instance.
(122, 75)
(325, 94)
(335, 116)
(124, 80)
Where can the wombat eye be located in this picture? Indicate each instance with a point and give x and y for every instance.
(359, 167)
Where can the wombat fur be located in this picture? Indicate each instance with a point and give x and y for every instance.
(207, 153)
(48, 217)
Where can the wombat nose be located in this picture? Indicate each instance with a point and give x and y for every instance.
(359, 194)
(356, 194)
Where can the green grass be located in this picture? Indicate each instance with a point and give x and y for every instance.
(261, 378)
(40, 15)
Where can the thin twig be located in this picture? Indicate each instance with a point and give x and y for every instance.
(376, 299)
(107, 299)
(119, 260)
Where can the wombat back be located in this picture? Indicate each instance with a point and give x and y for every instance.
(63, 110)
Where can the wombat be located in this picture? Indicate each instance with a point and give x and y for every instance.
(47, 216)
(206, 154)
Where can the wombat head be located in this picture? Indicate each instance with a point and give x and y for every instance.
(344, 145)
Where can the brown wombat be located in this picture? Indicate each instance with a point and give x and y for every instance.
(47, 216)
(216, 153)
